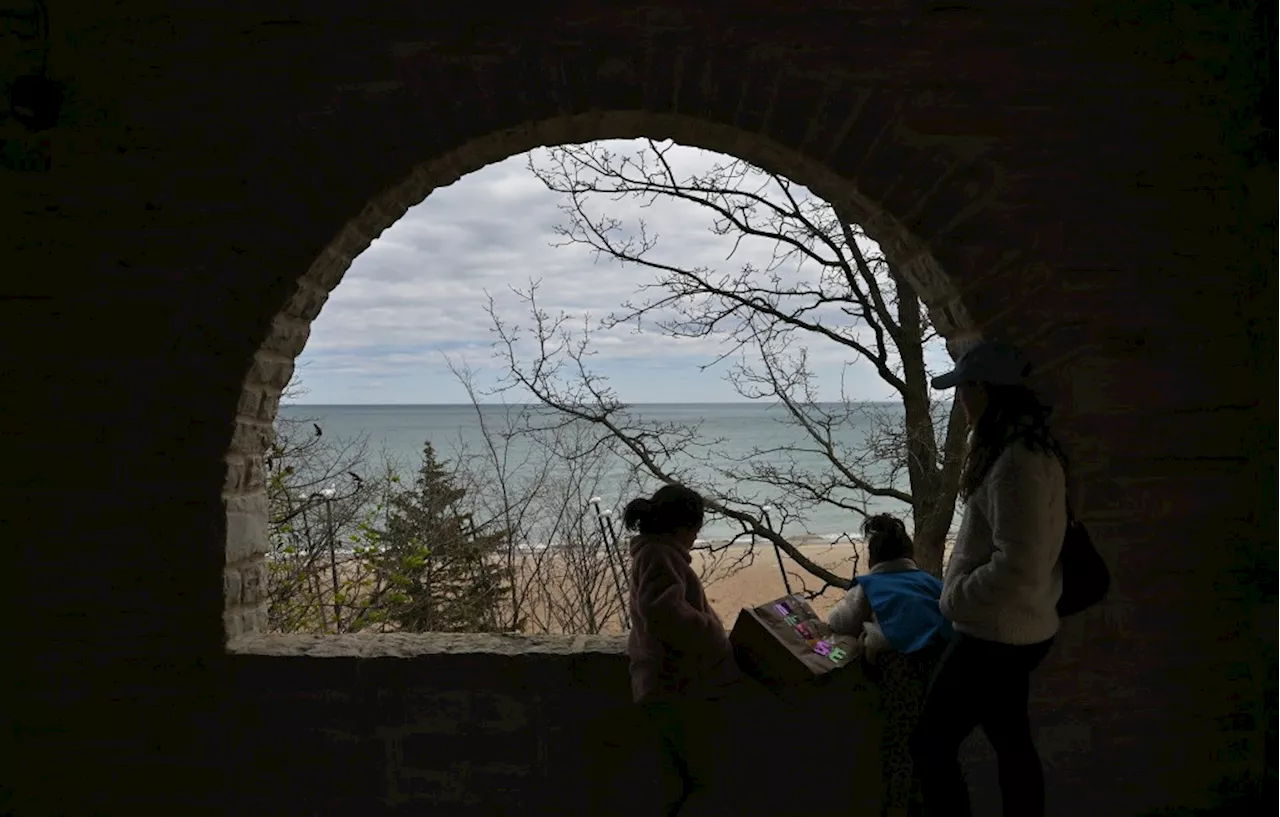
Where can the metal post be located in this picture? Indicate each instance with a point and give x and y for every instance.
(613, 534)
(313, 581)
(609, 557)
(327, 493)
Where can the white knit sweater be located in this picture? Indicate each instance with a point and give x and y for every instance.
(1003, 580)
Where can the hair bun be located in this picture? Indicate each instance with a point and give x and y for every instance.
(672, 508)
(637, 513)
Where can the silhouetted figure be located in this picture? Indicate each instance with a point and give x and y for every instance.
(1000, 587)
(894, 606)
(682, 665)
(893, 610)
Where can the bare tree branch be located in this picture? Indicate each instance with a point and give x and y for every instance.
(824, 284)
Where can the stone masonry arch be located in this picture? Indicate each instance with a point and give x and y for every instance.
(245, 497)
(1094, 181)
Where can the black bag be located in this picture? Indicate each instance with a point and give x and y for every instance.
(1085, 577)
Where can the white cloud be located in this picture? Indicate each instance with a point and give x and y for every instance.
(420, 291)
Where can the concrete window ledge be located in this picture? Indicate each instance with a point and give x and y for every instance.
(414, 645)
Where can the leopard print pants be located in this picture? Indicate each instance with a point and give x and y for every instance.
(902, 681)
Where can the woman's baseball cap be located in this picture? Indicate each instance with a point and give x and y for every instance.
(991, 361)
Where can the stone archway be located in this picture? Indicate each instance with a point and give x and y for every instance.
(1097, 180)
(245, 572)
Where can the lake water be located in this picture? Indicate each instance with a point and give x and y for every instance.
(741, 429)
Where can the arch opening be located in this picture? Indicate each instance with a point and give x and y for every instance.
(244, 497)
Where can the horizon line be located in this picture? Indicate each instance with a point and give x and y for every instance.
(535, 403)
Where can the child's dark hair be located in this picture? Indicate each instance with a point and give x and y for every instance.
(887, 538)
(671, 508)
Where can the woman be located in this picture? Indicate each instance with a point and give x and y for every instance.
(1000, 587)
(682, 664)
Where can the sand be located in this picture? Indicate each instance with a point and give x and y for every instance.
(759, 580)
(734, 577)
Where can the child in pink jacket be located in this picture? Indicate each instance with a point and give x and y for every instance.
(682, 665)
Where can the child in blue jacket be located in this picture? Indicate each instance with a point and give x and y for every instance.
(893, 609)
(895, 605)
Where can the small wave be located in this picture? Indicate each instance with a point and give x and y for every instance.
(702, 542)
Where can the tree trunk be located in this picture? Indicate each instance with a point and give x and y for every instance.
(932, 526)
(931, 515)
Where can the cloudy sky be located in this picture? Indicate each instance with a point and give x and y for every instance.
(419, 295)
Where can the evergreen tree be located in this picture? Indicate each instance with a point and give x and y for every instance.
(445, 574)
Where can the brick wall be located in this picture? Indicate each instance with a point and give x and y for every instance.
(493, 725)
(1081, 179)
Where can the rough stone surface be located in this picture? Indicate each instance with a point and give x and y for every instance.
(483, 724)
(412, 645)
(1094, 181)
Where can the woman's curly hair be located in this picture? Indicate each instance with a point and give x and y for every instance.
(1013, 415)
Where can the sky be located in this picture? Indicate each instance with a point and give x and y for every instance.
(417, 297)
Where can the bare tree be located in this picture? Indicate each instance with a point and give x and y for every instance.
(553, 482)
(506, 481)
(530, 495)
(560, 378)
(320, 498)
(825, 285)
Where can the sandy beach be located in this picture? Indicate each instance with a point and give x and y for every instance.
(735, 577)
(576, 592)
(759, 580)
